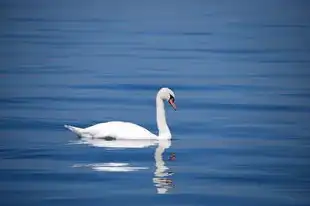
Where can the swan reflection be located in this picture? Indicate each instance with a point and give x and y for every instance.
(162, 176)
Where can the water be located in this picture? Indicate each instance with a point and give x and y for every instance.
(240, 72)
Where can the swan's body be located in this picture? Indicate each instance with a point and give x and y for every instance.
(128, 130)
(115, 130)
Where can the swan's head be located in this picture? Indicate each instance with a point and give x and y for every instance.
(168, 95)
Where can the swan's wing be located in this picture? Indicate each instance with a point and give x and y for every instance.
(119, 130)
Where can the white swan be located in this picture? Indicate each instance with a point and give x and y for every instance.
(128, 130)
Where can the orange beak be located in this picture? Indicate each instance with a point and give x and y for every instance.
(171, 102)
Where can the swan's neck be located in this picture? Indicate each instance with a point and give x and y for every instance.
(162, 126)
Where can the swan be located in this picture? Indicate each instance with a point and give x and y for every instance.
(128, 130)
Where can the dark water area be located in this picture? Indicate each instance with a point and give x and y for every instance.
(240, 71)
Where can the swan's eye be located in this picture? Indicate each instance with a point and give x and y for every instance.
(171, 98)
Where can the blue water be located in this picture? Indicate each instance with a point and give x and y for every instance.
(240, 71)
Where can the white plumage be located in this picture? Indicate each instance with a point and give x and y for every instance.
(128, 130)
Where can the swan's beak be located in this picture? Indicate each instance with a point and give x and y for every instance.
(171, 102)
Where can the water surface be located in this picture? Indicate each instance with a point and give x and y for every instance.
(240, 72)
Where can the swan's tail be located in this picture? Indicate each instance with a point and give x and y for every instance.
(78, 131)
